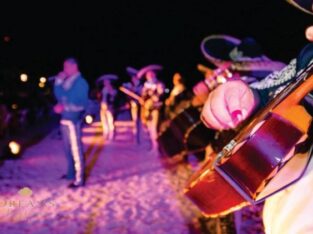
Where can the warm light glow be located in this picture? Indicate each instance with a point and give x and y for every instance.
(309, 33)
(15, 148)
(88, 119)
(24, 78)
(41, 85)
(14, 106)
(43, 79)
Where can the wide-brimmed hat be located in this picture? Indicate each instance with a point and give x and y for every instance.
(244, 55)
(216, 48)
(304, 5)
(153, 67)
(107, 77)
(132, 72)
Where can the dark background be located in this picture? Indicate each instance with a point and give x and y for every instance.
(109, 35)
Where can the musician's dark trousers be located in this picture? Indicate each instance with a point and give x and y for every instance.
(71, 134)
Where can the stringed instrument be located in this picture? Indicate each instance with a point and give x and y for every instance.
(132, 94)
(262, 159)
(185, 133)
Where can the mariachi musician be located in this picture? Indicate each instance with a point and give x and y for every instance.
(133, 90)
(177, 98)
(244, 100)
(240, 61)
(181, 131)
(147, 96)
(289, 210)
(135, 86)
(152, 92)
(108, 97)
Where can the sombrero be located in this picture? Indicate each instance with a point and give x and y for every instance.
(304, 5)
(216, 48)
(131, 71)
(107, 77)
(245, 55)
(153, 67)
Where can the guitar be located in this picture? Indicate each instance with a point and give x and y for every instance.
(262, 159)
(147, 104)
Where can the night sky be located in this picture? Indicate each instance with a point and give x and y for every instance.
(108, 35)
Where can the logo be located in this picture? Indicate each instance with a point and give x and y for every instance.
(25, 192)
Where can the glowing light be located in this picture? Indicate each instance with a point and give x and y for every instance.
(25, 192)
(309, 33)
(43, 79)
(14, 106)
(88, 119)
(24, 77)
(41, 85)
(15, 148)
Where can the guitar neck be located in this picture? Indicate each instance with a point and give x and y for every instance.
(131, 94)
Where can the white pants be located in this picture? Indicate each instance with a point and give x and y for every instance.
(291, 211)
(152, 125)
(107, 121)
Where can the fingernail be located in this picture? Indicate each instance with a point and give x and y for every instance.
(236, 115)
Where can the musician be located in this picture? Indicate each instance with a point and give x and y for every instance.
(232, 103)
(71, 91)
(135, 85)
(152, 92)
(108, 96)
(177, 94)
(245, 59)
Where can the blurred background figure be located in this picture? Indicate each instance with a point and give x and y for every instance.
(108, 96)
(71, 92)
(135, 85)
(152, 92)
(176, 95)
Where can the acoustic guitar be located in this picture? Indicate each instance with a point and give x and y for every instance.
(262, 159)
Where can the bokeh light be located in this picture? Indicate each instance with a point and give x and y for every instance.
(88, 119)
(15, 147)
(43, 79)
(24, 77)
(14, 106)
